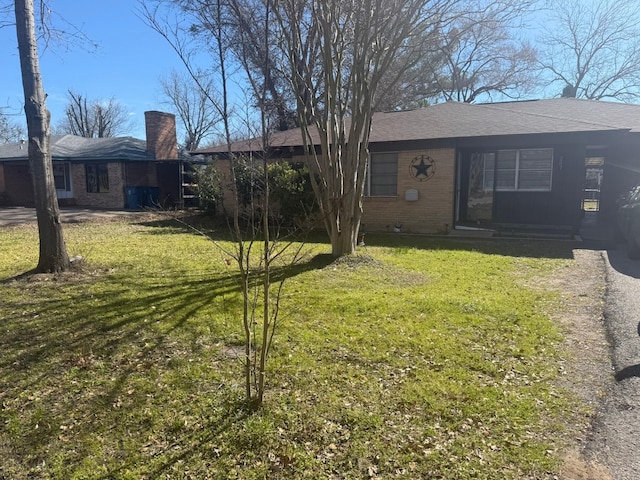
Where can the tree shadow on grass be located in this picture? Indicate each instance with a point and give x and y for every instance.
(190, 442)
(117, 323)
(103, 318)
(517, 247)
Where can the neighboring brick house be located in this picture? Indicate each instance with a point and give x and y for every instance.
(120, 172)
(501, 165)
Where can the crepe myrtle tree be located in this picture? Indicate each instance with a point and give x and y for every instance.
(337, 55)
(200, 30)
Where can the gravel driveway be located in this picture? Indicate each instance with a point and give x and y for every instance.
(616, 430)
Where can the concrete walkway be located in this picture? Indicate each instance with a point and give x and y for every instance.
(596, 232)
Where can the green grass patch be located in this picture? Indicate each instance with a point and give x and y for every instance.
(417, 358)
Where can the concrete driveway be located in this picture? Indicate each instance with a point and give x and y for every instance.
(19, 215)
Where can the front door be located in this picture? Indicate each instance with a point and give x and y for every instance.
(476, 189)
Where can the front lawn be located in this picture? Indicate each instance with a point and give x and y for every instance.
(417, 358)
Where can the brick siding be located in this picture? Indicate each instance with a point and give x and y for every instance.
(432, 212)
(114, 198)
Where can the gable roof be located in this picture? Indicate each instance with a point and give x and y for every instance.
(75, 148)
(463, 120)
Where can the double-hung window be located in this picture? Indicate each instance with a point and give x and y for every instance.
(519, 170)
(382, 175)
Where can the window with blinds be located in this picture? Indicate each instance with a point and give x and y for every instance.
(519, 170)
(382, 175)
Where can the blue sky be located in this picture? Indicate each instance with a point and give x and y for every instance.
(127, 64)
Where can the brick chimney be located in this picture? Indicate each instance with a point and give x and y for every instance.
(161, 135)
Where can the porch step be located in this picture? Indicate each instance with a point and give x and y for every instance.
(472, 232)
(537, 231)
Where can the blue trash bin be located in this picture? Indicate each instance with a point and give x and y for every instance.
(133, 200)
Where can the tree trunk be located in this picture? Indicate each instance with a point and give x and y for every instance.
(53, 251)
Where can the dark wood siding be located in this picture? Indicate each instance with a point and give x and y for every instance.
(560, 206)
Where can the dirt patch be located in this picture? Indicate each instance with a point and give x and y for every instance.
(357, 261)
(385, 273)
(79, 273)
(586, 363)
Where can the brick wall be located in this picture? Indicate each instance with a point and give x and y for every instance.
(114, 198)
(432, 212)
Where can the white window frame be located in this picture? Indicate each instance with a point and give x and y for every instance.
(67, 190)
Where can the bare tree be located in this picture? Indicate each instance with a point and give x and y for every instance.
(53, 252)
(255, 249)
(269, 84)
(197, 114)
(592, 49)
(10, 131)
(338, 53)
(246, 47)
(480, 54)
(94, 118)
(474, 54)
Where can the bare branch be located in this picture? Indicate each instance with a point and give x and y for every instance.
(592, 50)
(95, 118)
(474, 52)
(197, 114)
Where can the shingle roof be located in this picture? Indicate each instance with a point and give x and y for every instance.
(613, 114)
(462, 120)
(72, 147)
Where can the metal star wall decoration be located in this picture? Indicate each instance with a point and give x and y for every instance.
(422, 168)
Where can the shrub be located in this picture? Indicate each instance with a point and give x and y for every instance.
(291, 192)
(291, 195)
(209, 187)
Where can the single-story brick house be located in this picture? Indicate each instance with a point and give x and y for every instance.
(119, 172)
(500, 165)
